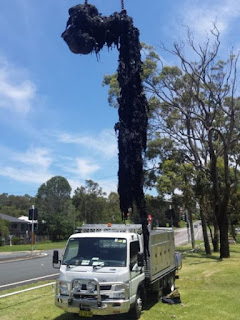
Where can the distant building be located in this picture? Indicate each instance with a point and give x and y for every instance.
(25, 218)
(17, 227)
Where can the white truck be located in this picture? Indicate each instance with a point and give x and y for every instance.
(103, 270)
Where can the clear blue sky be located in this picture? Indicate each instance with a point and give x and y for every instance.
(54, 114)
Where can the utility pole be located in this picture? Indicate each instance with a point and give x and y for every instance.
(32, 215)
(32, 233)
(188, 225)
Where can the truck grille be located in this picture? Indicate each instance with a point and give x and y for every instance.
(102, 287)
(88, 297)
(82, 292)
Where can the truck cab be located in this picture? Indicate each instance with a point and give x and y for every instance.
(101, 272)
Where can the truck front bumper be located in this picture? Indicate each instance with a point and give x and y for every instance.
(97, 299)
(105, 307)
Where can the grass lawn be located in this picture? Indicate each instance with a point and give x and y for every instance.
(209, 289)
(38, 246)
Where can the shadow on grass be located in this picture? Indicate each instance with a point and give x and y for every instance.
(68, 316)
(74, 316)
(152, 300)
(202, 258)
(234, 249)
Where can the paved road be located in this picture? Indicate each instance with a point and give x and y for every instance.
(19, 272)
(182, 236)
(18, 268)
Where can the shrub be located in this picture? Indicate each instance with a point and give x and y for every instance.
(2, 242)
(15, 240)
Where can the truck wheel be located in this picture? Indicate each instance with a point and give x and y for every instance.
(136, 309)
(170, 286)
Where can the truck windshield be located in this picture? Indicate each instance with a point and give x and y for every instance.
(96, 252)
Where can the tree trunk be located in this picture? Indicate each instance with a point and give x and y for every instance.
(191, 228)
(233, 232)
(220, 207)
(204, 230)
(215, 239)
(223, 228)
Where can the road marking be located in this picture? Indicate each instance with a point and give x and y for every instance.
(21, 282)
(25, 290)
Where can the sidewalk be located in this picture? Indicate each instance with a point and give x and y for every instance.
(21, 255)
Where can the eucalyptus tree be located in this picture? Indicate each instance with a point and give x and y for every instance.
(198, 108)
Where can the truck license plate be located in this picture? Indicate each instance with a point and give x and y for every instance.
(85, 313)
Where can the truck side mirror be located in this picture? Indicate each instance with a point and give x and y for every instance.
(55, 259)
(140, 259)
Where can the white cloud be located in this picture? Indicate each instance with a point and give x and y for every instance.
(37, 165)
(35, 157)
(85, 168)
(82, 168)
(16, 91)
(30, 166)
(25, 174)
(104, 144)
(200, 16)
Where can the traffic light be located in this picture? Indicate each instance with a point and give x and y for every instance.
(33, 214)
(30, 214)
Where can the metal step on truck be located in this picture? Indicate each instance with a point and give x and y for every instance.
(103, 270)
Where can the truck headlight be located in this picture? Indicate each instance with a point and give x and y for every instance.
(119, 291)
(64, 288)
(77, 285)
(91, 286)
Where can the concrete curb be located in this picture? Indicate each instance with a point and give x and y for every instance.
(6, 257)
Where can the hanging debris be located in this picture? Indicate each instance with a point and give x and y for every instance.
(88, 31)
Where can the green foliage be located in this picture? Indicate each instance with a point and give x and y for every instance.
(15, 240)
(92, 205)
(89, 203)
(15, 206)
(113, 91)
(4, 232)
(156, 206)
(112, 210)
(56, 214)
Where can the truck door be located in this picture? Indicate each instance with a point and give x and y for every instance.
(136, 276)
